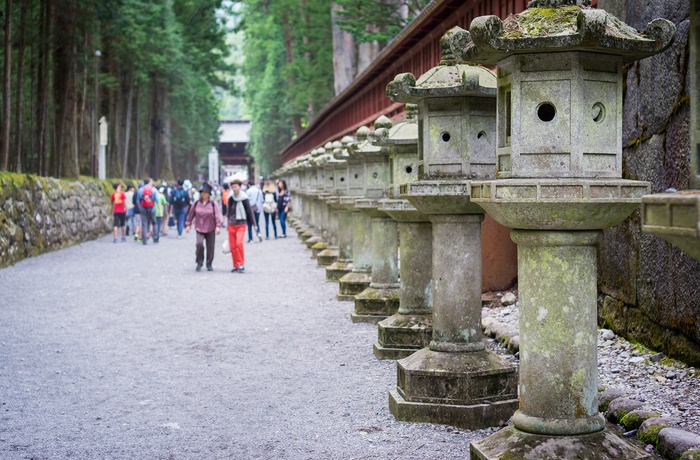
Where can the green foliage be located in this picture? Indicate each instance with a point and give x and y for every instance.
(288, 70)
(376, 20)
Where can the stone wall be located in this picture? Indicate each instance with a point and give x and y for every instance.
(649, 289)
(38, 215)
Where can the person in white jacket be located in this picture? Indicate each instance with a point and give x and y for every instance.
(255, 196)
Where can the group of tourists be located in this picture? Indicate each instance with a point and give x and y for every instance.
(144, 211)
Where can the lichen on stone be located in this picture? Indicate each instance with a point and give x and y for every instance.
(538, 22)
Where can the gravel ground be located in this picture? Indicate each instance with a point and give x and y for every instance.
(124, 351)
(665, 386)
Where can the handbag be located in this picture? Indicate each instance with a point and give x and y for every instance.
(171, 221)
(226, 247)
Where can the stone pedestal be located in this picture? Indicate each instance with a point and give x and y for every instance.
(450, 381)
(359, 278)
(326, 256)
(343, 264)
(381, 298)
(411, 328)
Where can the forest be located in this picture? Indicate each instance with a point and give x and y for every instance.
(154, 69)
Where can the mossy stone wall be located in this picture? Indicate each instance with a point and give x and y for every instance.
(650, 289)
(39, 214)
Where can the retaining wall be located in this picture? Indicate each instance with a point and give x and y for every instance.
(40, 214)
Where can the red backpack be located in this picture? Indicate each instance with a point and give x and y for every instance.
(147, 198)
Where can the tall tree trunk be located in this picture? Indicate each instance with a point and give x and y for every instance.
(155, 129)
(65, 97)
(6, 96)
(289, 52)
(137, 150)
(166, 164)
(20, 83)
(43, 84)
(84, 126)
(127, 128)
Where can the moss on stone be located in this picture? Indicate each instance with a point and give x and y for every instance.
(634, 419)
(537, 22)
(651, 434)
(692, 454)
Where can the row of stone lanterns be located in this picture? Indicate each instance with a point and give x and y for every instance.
(538, 148)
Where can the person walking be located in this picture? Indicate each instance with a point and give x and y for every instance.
(137, 214)
(284, 205)
(160, 213)
(130, 210)
(255, 197)
(179, 201)
(270, 207)
(118, 200)
(240, 215)
(147, 197)
(207, 219)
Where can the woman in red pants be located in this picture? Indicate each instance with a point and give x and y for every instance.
(239, 213)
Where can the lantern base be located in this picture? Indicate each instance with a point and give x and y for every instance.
(352, 284)
(511, 443)
(338, 269)
(402, 335)
(327, 257)
(373, 305)
(471, 390)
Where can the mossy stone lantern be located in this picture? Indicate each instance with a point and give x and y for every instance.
(450, 380)
(343, 263)
(381, 298)
(359, 278)
(559, 170)
(365, 168)
(410, 329)
(327, 252)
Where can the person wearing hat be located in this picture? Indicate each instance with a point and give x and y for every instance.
(207, 217)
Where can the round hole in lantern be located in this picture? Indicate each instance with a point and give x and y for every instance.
(598, 112)
(445, 136)
(409, 169)
(356, 176)
(546, 112)
(375, 175)
(481, 135)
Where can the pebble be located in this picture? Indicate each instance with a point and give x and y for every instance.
(664, 387)
(508, 299)
(607, 334)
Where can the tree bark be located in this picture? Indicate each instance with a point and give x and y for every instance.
(6, 96)
(20, 84)
(137, 150)
(43, 85)
(127, 128)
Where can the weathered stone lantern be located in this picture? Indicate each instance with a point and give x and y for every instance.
(359, 277)
(314, 191)
(343, 263)
(335, 171)
(455, 380)
(323, 191)
(675, 217)
(410, 329)
(559, 160)
(304, 168)
(381, 298)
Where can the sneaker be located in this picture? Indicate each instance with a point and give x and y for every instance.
(250, 241)
(199, 267)
(123, 239)
(209, 268)
(235, 270)
(260, 237)
(179, 237)
(241, 269)
(115, 240)
(138, 240)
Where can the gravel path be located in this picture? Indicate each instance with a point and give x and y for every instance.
(124, 351)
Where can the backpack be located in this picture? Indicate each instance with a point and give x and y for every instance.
(269, 205)
(147, 198)
(179, 198)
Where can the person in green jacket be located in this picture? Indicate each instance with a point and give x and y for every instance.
(160, 205)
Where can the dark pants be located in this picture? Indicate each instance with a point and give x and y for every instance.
(180, 214)
(209, 238)
(283, 221)
(269, 217)
(148, 220)
(257, 224)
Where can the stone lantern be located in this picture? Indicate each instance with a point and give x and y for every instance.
(410, 329)
(559, 168)
(675, 216)
(451, 380)
(359, 278)
(316, 181)
(381, 298)
(343, 263)
(328, 254)
(304, 173)
(323, 191)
